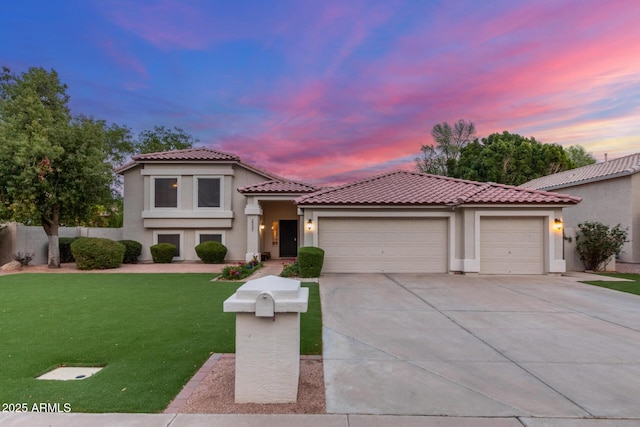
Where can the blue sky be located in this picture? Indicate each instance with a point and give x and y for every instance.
(327, 91)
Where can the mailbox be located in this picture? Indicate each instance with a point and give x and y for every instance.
(265, 305)
(268, 339)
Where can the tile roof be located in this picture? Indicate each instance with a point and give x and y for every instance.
(615, 168)
(413, 188)
(194, 154)
(189, 154)
(276, 186)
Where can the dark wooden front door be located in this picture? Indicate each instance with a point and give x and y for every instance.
(288, 238)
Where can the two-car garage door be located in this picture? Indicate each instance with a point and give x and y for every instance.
(391, 245)
(508, 245)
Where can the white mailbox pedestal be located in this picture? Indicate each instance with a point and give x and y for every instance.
(268, 339)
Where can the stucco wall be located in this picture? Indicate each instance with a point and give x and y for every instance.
(142, 223)
(611, 202)
(21, 238)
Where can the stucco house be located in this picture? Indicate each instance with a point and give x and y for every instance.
(610, 193)
(190, 196)
(395, 222)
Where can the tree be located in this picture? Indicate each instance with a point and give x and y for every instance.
(119, 147)
(53, 166)
(119, 144)
(163, 139)
(441, 158)
(579, 156)
(596, 243)
(508, 158)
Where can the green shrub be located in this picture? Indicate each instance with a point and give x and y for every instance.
(163, 253)
(310, 260)
(211, 252)
(241, 270)
(596, 243)
(132, 251)
(94, 253)
(290, 269)
(64, 244)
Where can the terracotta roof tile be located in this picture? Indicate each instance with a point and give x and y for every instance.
(621, 166)
(189, 154)
(278, 187)
(412, 188)
(194, 154)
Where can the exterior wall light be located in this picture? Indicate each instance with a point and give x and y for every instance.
(557, 224)
(261, 226)
(310, 225)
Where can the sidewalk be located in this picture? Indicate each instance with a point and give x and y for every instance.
(196, 420)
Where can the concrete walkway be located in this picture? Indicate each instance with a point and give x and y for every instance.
(448, 350)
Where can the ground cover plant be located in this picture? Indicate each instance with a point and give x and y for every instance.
(151, 331)
(290, 269)
(632, 287)
(241, 270)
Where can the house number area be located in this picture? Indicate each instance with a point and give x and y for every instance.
(36, 407)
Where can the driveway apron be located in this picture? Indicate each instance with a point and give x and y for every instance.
(485, 346)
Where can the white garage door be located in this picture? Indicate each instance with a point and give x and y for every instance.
(512, 245)
(373, 245)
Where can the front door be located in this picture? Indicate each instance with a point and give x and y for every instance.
(288, 238)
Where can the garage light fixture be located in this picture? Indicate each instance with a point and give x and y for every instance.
(557, 224)
(310, 225)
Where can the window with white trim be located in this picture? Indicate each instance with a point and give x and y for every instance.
(208, 237)
(165, 192)
(208, 193)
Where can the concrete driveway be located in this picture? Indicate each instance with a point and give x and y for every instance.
(479, 346)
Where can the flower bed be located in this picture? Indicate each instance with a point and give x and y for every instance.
(240, 270)
(290, 269)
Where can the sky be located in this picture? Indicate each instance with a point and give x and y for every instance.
(327, 91)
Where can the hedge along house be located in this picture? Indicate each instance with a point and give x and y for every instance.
(190, 196)
(412, 222)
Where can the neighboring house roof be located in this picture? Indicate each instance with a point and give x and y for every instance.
(615, 168)
(278, 186)
(413, 188)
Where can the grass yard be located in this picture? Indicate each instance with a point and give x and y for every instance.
(152, 332)
(632, 287)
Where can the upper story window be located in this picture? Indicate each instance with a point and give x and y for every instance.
(208, 193)
(166, 192)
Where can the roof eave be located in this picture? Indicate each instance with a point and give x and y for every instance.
(272, 193)
(438, 205)
(120, 170)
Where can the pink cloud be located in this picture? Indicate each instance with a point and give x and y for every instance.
(538, 69)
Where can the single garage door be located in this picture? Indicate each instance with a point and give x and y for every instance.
(512, 245)
(375, 245)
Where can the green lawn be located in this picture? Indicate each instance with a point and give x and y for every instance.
(152, 332)
(632, 287)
